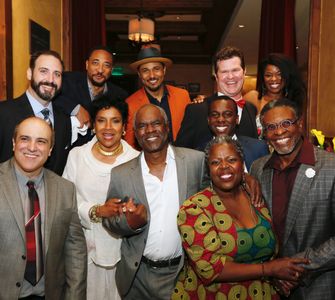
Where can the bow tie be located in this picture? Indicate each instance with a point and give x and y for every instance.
(240, 103)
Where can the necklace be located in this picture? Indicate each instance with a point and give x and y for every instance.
(115, 152)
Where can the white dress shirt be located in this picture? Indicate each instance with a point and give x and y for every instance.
(163, 240)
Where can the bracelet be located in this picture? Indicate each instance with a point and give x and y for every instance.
(92, 213)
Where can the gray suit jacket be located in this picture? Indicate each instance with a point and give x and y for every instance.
(310, 221)
(65, 257)
(126, 180)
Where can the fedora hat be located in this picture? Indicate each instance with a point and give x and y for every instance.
(150, 54)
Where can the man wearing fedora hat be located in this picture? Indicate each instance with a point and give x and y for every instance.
(151, 67)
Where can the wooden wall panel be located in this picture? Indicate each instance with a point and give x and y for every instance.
(6, 64)
(321, 82)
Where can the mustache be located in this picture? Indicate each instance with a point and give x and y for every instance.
(100, 74)
(47, 83)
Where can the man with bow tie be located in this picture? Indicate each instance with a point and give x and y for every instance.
(229, 67)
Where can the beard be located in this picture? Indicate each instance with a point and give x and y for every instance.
(152, 88)
(97, 83)
(47, 96)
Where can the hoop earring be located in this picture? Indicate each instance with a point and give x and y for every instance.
(123, 132)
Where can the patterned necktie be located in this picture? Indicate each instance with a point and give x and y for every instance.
(46, 114)
(240, 103)
(34, 266)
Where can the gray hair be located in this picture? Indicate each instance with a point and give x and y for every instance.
(162, 111)
(219, 140)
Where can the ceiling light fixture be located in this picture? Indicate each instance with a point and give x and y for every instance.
(141, 29)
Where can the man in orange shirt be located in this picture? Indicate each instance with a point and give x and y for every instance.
(151, 68)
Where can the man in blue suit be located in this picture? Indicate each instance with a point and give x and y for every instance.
(223, 120)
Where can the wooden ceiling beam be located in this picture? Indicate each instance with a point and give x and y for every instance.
(162, 28)
(158, 4)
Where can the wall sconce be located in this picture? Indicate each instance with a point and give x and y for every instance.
(141, 30)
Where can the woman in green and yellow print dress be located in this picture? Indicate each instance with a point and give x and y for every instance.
(229, 243)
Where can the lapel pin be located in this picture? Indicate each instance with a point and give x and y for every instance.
(310, 173)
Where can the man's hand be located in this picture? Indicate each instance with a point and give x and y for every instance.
(111, 208)
(136, 216)
(84, 117)
(284, 287)
(253, 188)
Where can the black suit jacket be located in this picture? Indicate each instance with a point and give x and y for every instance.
(194, 127)
(14, 111)
(75, 91)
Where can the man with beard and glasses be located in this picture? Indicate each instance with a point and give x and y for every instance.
(45, 76)
(80, 89)
(151, 67)
(157, 182)
(298, 184)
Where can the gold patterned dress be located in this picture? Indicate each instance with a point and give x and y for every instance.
(210, 238)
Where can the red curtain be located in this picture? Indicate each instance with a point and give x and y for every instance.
(277, 32)
(88, 29)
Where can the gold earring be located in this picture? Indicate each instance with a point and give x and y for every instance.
(123, 132)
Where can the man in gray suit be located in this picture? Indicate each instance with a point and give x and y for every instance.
(158, 181)
(298, 183)
(58, 240)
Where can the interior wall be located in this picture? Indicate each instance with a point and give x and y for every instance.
(47, 13)
(185, 74)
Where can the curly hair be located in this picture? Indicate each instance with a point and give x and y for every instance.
(294, 88)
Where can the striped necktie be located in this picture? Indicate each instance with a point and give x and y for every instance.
(46, 115)
(34, 267)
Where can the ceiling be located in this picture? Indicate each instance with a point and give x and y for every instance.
(188, 31)
(191, 31)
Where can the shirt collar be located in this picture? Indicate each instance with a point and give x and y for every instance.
(90, 89)
(222, 94)
(37, 106)
(169, 156)
(150, 97)
(304, 156)
(23, 179)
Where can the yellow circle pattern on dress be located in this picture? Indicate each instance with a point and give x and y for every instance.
(222, 221)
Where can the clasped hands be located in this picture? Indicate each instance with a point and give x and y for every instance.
(289, 273)
(136, 214)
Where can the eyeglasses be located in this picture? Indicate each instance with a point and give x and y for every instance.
(285, 124)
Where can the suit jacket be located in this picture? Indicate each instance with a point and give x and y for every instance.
(75, 91)
(14, 111)
(64, 248)
(310, 221)
(126, 180)
(194, 126)
(178, 100)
